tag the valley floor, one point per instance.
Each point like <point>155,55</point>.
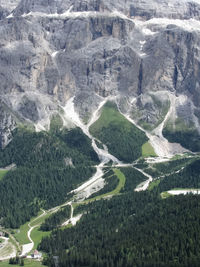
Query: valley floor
<point>26,235</point>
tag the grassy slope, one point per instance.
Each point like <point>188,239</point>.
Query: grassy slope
<point>22,235</point>
<point>2,174</point>
<point>122,138</point>
<point>148,151</point>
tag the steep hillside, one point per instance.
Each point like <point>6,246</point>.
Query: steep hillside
<point>48,167</point>
<point>99,130</point>
<point>143,53</point>
<point>123,139</point>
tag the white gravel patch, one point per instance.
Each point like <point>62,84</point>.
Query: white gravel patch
<point>184,192</point>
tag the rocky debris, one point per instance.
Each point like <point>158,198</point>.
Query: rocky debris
<point>68,162</point>
<point>52,50</point>
<point>7,125</point>
<point>9,5</point>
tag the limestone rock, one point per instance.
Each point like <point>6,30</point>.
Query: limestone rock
<point>137,52</point>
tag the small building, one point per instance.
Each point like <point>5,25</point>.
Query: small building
<point>36,254</point>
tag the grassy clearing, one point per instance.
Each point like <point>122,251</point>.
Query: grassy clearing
<point>109,114</point>
<point>27,262</point>
<point>2,174</point>
<point>153,184</point>
<point>148,151</point>
<point>21,236</point>
<point>122,180</point>
<point>37,235</point>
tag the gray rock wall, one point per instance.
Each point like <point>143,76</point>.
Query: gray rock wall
<point>92,49</point>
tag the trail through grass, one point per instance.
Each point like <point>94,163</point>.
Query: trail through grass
<point>21,234</point>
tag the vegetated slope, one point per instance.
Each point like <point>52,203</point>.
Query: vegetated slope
<point>3,173</point>
<point>122,138</point>
<point>187,136</point>
<point>133,178</point>
<point>49,166</point>
<point>174,165</point>
<point>189,177</point>
<point>56,219</point>
<point>132,229</point>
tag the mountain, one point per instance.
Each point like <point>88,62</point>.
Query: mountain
<point>100,132</point>
<point>144,54</point>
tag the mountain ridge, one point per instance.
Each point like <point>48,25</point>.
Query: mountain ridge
<point>53,50</point>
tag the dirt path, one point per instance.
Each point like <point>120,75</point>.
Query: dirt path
<point>26,248</point>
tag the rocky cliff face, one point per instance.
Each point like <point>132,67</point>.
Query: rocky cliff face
<point>7,125</point>
<point>143,53</point>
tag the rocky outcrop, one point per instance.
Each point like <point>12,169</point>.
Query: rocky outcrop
<point>3,13</point>
<point>185,9</point>
<point>7,125</point>
<point>9,5</point>
<point>135,51</point>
